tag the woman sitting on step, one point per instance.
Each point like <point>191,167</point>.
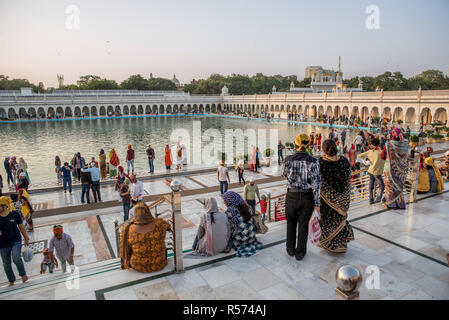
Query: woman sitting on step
<point>214,231</point>
<point>142,241</point>
<point>243,231</point>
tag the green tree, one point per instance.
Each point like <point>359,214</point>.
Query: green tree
<point>136,82</point>
<point>160,84</point>
<point>239,84</point>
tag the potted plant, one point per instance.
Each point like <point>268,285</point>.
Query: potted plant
<point>268,153</point>
<point>414,140</point>
<point>429,134</point>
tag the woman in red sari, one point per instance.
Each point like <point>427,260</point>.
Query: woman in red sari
<point>168,160</point>
<point>352,156</point>
<point>113,163</point>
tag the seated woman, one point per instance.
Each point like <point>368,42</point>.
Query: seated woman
<point>214,231</point>
<point>142,241</point>
<point>243,231</point>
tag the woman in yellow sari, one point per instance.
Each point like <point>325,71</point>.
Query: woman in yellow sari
<point>435,179</point>
<point>103,169</point>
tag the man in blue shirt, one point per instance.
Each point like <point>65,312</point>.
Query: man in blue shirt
<point>11,232</point>
<point>66,171</point>
<point>95,177</point>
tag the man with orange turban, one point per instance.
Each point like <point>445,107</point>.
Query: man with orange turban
<point>65,249</point>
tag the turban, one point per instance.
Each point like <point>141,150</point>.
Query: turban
<point>300,138</point>
<point>5,201</point>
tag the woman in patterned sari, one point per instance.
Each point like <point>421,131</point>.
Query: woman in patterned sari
<point>243,232</point>
<point>335,197</point>
<point>395,153</point>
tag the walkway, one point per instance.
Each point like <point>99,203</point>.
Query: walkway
<point>407,246</point>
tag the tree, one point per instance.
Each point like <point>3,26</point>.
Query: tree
<point>429,80</point>
<point>192,87</point>
<point>239,84</point>
<point>136,82</point>
<point>160,84</point>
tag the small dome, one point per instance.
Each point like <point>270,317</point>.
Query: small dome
<point>175,81</point>
<point>224,90</point>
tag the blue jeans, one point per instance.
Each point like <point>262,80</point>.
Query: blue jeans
<point>85,187</point>
<point>223,186</point>
<point>130,163</point>
<point>96,190</point>
<point>126,206</point>
<point>15,249</point>
<point>372,181</point>
<point>280,157</point>
<point>150,163</point>
<point>9,178</point>
<point>46,266</point>
<point>66,181</point>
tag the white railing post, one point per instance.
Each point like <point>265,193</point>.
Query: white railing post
<point>177,230</point>
<point>414,175</point>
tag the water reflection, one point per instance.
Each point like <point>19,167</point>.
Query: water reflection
<point>39,142</point>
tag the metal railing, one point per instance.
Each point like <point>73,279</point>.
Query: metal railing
<point>359,189</point>
<point>175,221</point>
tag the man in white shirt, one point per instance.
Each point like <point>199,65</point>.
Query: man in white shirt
<point>138,190</point>
<point>223,177</point>
<point>358,143</point>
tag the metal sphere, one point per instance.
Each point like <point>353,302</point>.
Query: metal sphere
<point>175,185</point>
<point>348,278</point>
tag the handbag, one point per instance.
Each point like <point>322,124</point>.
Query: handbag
<point>314,228</point>
<point>259,224</point>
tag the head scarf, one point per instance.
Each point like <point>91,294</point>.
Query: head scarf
<point>429,162</point>
<point>129,146</point>
<point>300,138</point>
<point>232,199</point>
<point>397,134</point>
<point>5,201</point>
<point>142,216</point>
<point>211,205</point>
<point>113,158</point>
<point>23,164</point>
<point>57,230</point>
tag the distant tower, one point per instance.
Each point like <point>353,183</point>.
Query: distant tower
<point>151,75</point>
<point>273,89</point>
<point>60,80</point>
<point>339,73</point>
<point>292,85</point>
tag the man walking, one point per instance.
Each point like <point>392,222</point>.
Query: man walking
<point>303,195</point>
<point>150,154</point>
<point>8,170</point>
<point>95,178</point>
<point>249,193</point>
<point>85,185</point>
<point>130,157</point>
<point>281,148</point>
<point>138,190</point>
<point>66,171</point>
<point>62,243</point>
<point>375,170</point>
<point>223,177</point>
<point>343,138</point>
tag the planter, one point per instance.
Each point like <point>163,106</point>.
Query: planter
<point>429,140</point>
<point>267,162</point>
<point>446,138</point>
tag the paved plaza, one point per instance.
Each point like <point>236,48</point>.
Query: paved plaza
<point>407,246</point>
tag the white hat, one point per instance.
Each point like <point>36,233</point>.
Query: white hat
<point>7,157</point>
<point>446,153</point>
<point>22,174</point>
<point>252,179</point>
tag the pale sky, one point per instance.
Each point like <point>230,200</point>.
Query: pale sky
<point>198,37</point>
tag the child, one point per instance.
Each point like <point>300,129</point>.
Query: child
<point>26,209</point>
<point>263,206</point>
<point>47,262</point>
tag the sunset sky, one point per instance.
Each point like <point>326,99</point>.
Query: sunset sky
<point>196,38</point>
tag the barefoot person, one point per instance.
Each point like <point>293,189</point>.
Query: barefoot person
<point>11,228</point>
